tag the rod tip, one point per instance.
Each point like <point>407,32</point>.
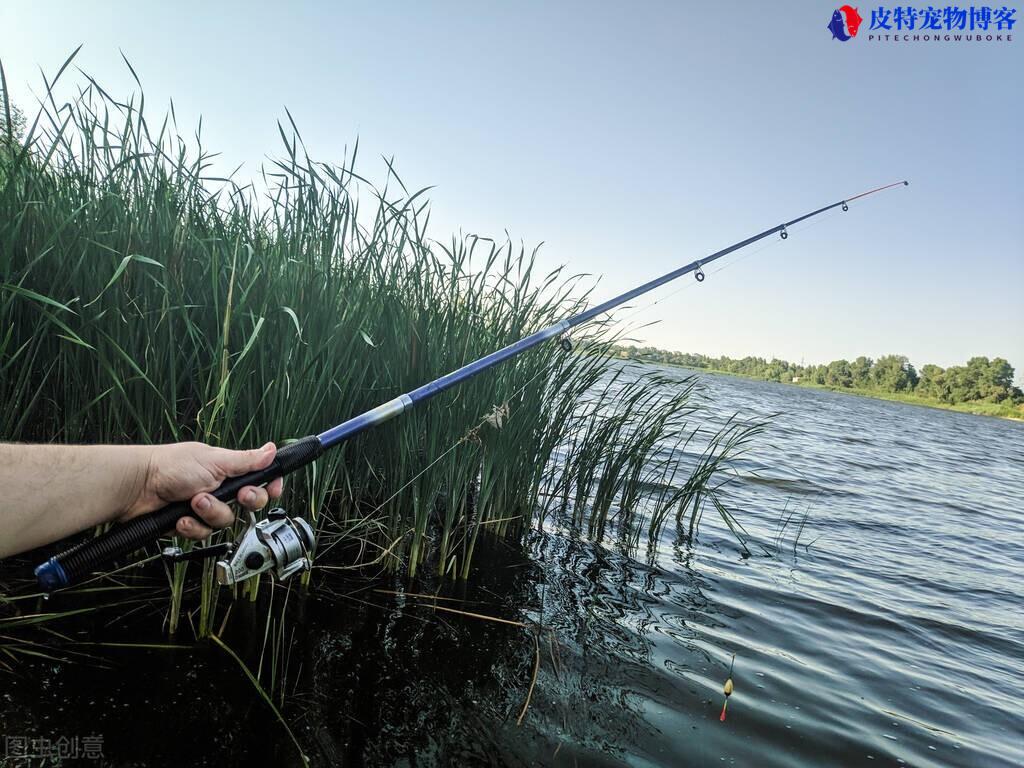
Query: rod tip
<point>906,183</point>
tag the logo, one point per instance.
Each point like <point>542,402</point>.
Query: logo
<point>845,23</point>
<point>911,24</point>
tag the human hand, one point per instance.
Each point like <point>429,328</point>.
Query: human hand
<point>188,471</point>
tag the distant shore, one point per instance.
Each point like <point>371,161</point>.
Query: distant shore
<point>997,410</point>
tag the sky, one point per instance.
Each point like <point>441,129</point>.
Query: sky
<point>630,138</point>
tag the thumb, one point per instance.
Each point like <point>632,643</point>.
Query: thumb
<point>234,463</point>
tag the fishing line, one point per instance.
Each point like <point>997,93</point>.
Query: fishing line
<point>341,537</point>
<point>828,216</point>
<point>767,246</point>
<point>288,540</point>
<point>465,438</point>
<point>802,227</point>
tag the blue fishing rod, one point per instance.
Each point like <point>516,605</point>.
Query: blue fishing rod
<point>285,543</point>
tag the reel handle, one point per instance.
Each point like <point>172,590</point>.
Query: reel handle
<point>69,566</point>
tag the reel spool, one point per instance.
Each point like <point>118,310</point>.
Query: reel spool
<point>277,542</point>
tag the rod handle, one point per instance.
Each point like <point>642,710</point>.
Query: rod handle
<point>69,566</point>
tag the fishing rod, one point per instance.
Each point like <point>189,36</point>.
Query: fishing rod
<point>284,544</point>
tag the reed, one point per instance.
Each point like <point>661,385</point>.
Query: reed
<point>144,298</point>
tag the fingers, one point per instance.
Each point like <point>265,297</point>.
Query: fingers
<point>217,514</point>
<point>191,528</point>
<point>234,463</point>
<point>253,498</point>
<point>212,514</point>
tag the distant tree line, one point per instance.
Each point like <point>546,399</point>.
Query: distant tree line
<point>980,380</point>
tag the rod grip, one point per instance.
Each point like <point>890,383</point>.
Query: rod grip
<point>69,566</point>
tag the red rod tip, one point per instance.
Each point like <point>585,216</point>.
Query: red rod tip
<point>877,189</point>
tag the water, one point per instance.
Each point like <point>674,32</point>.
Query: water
<point>893,630</point>
<point>884,630</point>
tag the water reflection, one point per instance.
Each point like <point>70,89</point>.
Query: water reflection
<point>391,681</point>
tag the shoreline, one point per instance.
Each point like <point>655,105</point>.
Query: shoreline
<point>974,409</point>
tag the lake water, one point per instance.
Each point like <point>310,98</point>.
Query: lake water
<point>892,633</point>
<point>882,627</point>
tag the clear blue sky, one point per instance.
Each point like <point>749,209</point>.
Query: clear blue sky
<point>631,138</point>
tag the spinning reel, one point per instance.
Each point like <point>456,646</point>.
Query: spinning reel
<point>277,542</point>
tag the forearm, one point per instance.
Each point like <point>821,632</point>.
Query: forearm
<point>53,491</point>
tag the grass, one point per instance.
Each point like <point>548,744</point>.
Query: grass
<point>144,298</point>
<point>978,408</point>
